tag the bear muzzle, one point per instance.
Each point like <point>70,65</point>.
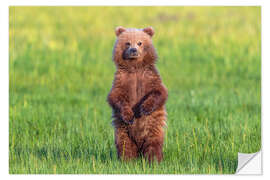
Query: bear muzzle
<point>131,53</point>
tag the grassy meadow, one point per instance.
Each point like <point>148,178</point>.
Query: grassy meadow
<point>61,71</point>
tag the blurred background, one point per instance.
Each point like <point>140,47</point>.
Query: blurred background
<point>61,71</point>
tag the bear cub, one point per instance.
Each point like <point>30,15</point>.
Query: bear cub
<point>137,96</point>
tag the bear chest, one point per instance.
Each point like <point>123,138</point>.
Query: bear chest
<point>136,84</point>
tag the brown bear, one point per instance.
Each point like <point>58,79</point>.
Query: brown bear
<point>137,96</point>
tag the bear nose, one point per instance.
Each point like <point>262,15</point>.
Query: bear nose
<point>133,50</point>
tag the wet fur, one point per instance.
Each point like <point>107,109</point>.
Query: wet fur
<point>138,99</point>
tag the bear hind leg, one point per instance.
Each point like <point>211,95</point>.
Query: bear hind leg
<point>126,148</point>
<point>152,150</point>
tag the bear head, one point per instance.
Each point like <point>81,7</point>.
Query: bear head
<point>134,48</point>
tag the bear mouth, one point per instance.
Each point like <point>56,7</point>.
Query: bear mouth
<point>130,56</point>
<point>135,56</point>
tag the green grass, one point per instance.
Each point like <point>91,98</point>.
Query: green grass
<point>61,71</point>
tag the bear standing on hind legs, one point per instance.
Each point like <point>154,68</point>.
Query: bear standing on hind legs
<point>137,96</point>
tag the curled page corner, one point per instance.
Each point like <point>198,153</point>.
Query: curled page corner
<point>249,163</point>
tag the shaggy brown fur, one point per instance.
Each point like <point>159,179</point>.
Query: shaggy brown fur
<point>137,96</point>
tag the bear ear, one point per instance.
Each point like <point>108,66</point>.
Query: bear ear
<point>149,30</point>
<point>119,30</point>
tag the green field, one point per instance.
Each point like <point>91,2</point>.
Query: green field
<point>61,71</point>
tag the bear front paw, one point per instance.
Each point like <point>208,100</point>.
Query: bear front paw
<point>127,115</point>
<point>147,107</point>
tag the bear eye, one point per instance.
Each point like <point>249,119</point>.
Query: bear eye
<point>127,43</point>
<point>139,43</point>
